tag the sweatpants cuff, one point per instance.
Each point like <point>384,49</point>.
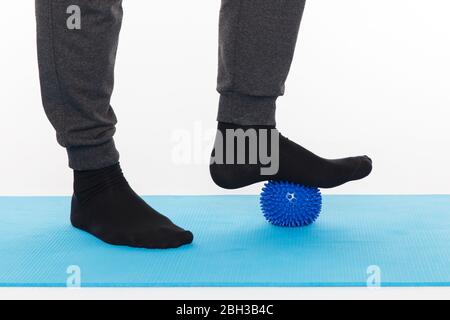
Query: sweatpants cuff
<point>247,110</point>
<point>93,157</point>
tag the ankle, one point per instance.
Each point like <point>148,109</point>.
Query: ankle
<point>90,181</point>
<point>222,126</point>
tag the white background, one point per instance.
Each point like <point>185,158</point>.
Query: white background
<point>369,77</point>
<point>371,293</point>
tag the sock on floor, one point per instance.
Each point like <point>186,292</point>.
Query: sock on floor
<point>295,163</point>
<point>104,205</point>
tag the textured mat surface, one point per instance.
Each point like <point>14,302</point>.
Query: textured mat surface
<point>407,238</point>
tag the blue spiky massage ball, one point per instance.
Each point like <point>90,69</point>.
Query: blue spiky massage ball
<point>288,204</point>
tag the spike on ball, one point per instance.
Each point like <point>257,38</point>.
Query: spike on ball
<point>287,204</point>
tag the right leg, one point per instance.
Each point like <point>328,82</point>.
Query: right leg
<point>256,47</point>
<point>77,44</point>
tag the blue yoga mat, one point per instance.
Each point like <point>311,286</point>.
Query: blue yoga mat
<point>406,240</point>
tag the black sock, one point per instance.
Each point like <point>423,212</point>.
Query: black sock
<point>104,205</point>
<point>296,164</point>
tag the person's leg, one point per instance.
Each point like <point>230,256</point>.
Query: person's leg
<point>256,47</point>
<point>77,43</point>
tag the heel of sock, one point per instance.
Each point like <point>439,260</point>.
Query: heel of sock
<point>235,176</point>
<point>220,178</point>
<point>75,214</point>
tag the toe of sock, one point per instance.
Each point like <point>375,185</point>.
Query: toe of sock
<point>169,237</point>
<point>178,239</point>
<point>186,237</point>
<point>364,168</point>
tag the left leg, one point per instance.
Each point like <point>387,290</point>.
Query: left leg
<point>76,63</point>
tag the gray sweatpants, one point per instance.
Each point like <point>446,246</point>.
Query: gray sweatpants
<point>77,44</point>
